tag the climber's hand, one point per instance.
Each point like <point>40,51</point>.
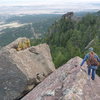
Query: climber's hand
<point>80,67</point>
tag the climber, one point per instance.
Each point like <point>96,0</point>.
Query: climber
<point>92,62</point>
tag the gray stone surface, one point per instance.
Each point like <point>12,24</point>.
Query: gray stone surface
<point>21,71</point>
<point>12,80</point>
<point>68,82</point>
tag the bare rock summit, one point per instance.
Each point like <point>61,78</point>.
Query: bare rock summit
<point>68,82</point>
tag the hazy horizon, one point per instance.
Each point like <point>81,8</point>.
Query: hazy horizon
<point>47,6</point>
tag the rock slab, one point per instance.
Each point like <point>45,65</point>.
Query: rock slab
<point>69,82</point>
<point>20,71</point>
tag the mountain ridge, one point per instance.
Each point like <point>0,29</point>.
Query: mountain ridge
<point>68,82</point>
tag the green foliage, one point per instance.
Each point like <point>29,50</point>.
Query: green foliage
<point>58,54</point>
<point>68,38</point>
<point>39,26</point>
<point>35,42</point>
<point>59,59</point>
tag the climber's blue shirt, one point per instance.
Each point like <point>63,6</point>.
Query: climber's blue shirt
<point>87,57</point>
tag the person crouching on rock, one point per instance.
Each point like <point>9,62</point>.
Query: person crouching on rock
<point>92,62</point>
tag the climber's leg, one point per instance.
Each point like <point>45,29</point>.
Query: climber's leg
<point>93,72</point>
<point>89,72</point>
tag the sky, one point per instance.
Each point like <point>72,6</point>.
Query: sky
<point>48,2</point>
<point>68,5</point>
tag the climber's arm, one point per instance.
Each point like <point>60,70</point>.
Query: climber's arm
<point>98,58</point>
<point>85,58</point>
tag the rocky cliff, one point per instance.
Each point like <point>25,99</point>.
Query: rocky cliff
<point>69,82</point>
<point>20,71</point>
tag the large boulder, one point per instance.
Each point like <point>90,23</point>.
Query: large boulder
<point>69,82</point>
<point>20,71</point>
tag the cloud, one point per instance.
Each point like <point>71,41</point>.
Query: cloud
<point>36,2</point>
<point>42,6</point>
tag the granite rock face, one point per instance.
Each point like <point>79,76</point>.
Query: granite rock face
<point>20,71</point>
<point>69,82</point>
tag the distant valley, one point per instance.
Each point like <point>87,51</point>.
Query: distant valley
<point>26,25</point>
<point>31,26</point>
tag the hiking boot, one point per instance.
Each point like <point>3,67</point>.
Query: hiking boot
<point>92,78</point>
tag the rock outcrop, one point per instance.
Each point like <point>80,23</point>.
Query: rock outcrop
<point>69,82</point>
<point>71,16</point>
<point>68,15</point>
<point>21,70</point>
